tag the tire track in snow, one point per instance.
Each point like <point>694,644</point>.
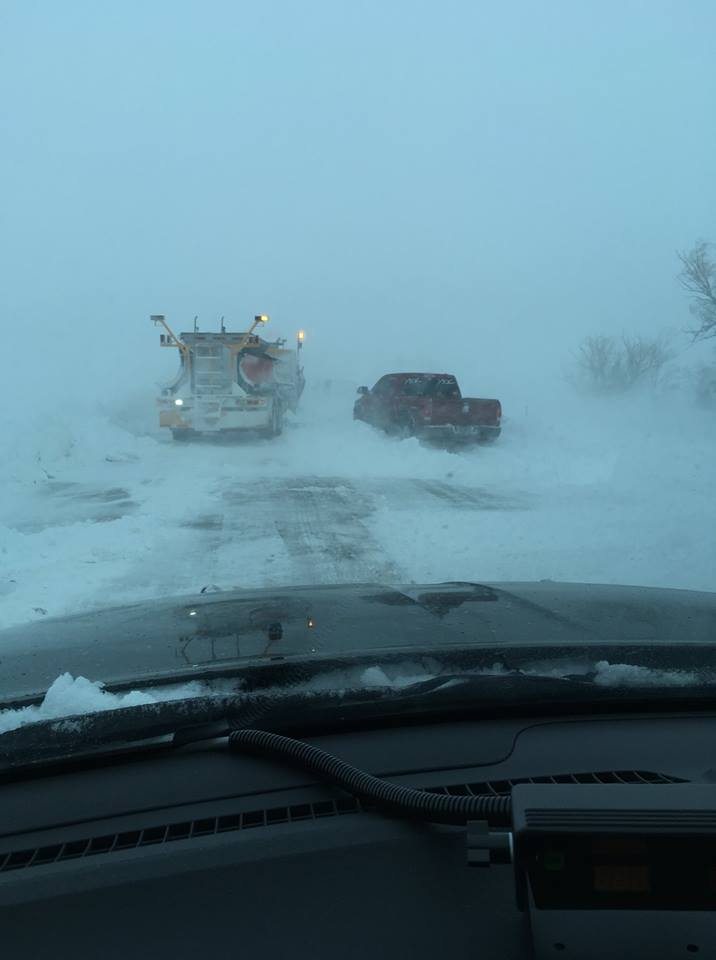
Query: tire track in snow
<point>294,530</point>
<point>320,521</point>
<point>467,498</point>
<point>58,504</point>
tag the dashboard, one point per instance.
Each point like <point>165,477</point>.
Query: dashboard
<point>203,851</point>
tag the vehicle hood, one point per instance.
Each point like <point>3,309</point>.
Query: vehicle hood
<point>219,633</point>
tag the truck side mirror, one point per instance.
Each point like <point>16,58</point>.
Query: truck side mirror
<point>362,391</point>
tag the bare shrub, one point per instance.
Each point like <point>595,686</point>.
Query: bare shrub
<point>612,365</point>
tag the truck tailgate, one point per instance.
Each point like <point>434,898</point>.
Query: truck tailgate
<point>467,411</point>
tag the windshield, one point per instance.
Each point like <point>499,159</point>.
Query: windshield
<point>218,226</point>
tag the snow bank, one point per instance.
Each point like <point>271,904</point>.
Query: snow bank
<point>611,491</point>
<point>49,443</point>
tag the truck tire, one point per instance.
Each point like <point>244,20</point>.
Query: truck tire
<point>406,428</point>
<point>275,427</point>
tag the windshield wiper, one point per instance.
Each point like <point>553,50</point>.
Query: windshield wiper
<point>179,722</point>
<point>172,724</point>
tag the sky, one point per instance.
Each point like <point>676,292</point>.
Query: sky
<point>461,185</point>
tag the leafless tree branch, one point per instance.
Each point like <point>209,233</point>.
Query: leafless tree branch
<point>698,278</point>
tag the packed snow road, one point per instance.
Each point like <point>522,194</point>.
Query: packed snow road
<point>99,514</point>
<point>231,532</point>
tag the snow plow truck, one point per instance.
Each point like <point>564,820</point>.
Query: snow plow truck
<point>229,382</point>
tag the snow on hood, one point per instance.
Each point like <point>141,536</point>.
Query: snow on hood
<point>72,696</point>
<point>606,674</point>
<point>631,675</point>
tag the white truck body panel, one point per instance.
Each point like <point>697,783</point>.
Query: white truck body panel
<point>227,383</point>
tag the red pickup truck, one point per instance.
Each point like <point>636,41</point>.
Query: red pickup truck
<point>429,406</point>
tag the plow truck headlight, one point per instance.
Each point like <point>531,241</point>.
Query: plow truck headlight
<point>179,402</point>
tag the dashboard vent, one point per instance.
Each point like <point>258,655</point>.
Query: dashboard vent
<point>188,829</point>
<point>502,787</point>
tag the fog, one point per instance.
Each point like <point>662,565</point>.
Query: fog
<point>461,186</point>
<point>511,175</point>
